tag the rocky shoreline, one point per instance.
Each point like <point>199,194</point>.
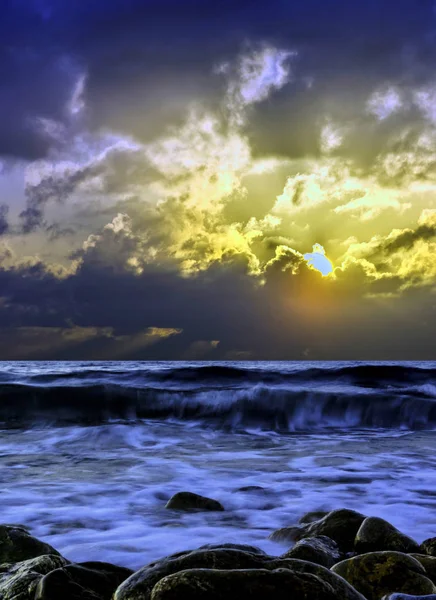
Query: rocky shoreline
<point>336,555</point>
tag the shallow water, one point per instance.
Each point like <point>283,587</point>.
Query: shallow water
<point>98,492</point>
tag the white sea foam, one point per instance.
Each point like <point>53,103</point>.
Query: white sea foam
<point>98,493</point>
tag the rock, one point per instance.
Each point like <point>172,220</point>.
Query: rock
<point>408,597</point>
<point>96,581</point>
<point>429,564</point>
<point>376,534</point>
<point>428,547</point>
<point>344,591</point>
<point>17,526</point>
<point>256,584</point>
<point>378,573</point>
<point>250,488</point>
<point>338,525</point>
<point>243,547</point>
<point>287,534</point>
<point>18,581</point>
<point>320,550</point>
<point>139,586</point>
<point>190,501</point>
<point>17,545</point>
<point>108,568</point>
<point>224,546</point>
<point>310,517</point>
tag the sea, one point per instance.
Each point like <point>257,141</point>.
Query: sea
<point>90,452</point>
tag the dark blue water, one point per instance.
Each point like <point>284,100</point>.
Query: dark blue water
<point>90,452</point>
<point>279,396</point>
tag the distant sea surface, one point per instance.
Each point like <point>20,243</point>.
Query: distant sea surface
<point>90,452</point>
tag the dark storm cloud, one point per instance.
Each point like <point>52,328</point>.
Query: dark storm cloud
<point>407,238</point>
<point>56,231</point>
<point>104,310</point>
<point>4,225</point>
<point>146,60</point>
<point>37,77</point>
<point>55,188</point>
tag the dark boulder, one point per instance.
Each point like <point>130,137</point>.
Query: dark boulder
<point>140,585</point>
<point>339,525</point>
<point>320,550</point>
<point>95,581</point>
<point>379,573</point>
<point>256,584</point>
<point>16,544</point>
<point>190,501</point>
<point>18,581</point>
<point>376,535</point>
<point>428,547</point>
<point>429,564</point>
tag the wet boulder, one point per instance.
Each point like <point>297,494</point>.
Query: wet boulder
<point>429,564</point>
<point>428,547</point>
<point>16,544</point>
<point>376,534</point>
<point>141,584</point>
<point>379,573</point>
<point>343,589</point>
<point>191,501</point>
<point>18,581</point>
<point>95,581</point>
<point>320,550</point>
<point>224,546</point>
<point>256,584</point>
<point>339,525</point>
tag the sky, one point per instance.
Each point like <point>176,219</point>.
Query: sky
<point>227,180</point>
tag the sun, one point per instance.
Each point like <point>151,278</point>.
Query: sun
<point>318,260</point>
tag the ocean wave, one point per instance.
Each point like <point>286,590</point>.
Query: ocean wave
<point>370,375</point>
<point>262,407</point>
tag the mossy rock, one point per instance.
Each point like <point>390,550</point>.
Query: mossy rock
<point>376,535</point>
<point>344,590</point>
<point>379,573</point>
<point>140,585</point>
<point>320,550</point>
<point>429,564</point>
<point>256,584</point>
<point>339,525</point>
<point>190,501</point>
<point>428,547</point>
<point>16,544</point>
<point>18,581</point>
<point>95,581</point>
